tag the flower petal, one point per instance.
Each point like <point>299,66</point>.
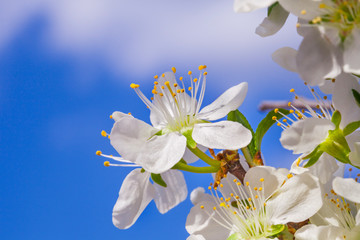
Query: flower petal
<point>297,7</point>
<point>316,59</point>
<point>251,5</point>
<point>119,115</point>
<point>274,22</point>
<point>135,194</point>
<point>273,179</point>
<point>199,195</point>
<point>195,237</point>
<point>297,200</point>
<point>229,101</point>
<point>201,222</point>
<point>286,58</point>
<point>222,135</point>
<point>135,141</point>
<point>324,168</point>
<point>304,135</point>
<point>176,191</point>
<point>190,157</point>
<point>348,188</point>
<point>351,53</point>
<point>312,232</point>
<point>343,98</point>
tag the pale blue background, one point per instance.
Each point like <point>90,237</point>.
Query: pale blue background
<point>65,66</point>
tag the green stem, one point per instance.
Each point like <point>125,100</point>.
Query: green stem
<point>203,156</point>
<point>248,157</point>
<point>188,168</point>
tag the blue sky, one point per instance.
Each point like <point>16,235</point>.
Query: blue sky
<point>65,66</point>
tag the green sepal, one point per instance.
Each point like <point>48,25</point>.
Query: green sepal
<point>142,170</point>
<point>265,125</point>
<point>356,95</point>
<point>234,236</point>
<point>351,127</point>
<point>275,230</point>
<point>158,179</point>
<point>189,140</point>
<point>271,8</point>
<point>285,235</point>
<point>237,116</point>
<point>313,157</point>
<point>336,118</point>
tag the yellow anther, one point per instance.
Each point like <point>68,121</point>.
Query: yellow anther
<point>292,90</point>
<point>289,104</point>
<point>103,133</point>
<point>195,80</point>
<point>111,117</point>
<point>274,118</point>
<point>255,188</point>
<point>181,78</point>
<point>303,110</point>
<point>247,207</point>
<point>204,66</point>
<point>254,208</point>
<point>284,120</point>
<point>322,5</point>
<point>325,97</point>
<point>235,213</point>
<point>222,204</point>
<point>173,69</point>
<point>133,85</point>
<point>161,94</point>
<point>201,67</point>
<point>174,94</point>
<point>221,199</point>
<point>249,199</point>
<point>289,175</point>
<point>296,97</point>
<point>205,73</point>
<point>279,124</point>
<point>175,85</point>
<point>162,87</point>
<point>221,185</point>
<point>297,25</point>
<point>98,153</point>
<point>264,204</point>
<point>163,75</point>
<point>238,183</point>
<point>276,110</point>
<point>247,183</point>
<point>154,91</point>
<point>167,83</point>
<point>182,90</point>
<point>215,188</point>
<point>214,208</point>
<point>231,194</point>
<point>350,169</point>
<point>237,197</point>
<point>260,188</point>
<point>156,83</point>
<point>189,72</point>
<point>209,187</point>
<point>234,180</point>
<point>261,179</point>
<point>151,98</point>
<point>107,164</point>
<point>156,76</point>
<point>225,175</point>
<point>189,88</point>
<point>178,91</point>
<point>291,111</point>
<point>303,12</point>
<point>202,207</point>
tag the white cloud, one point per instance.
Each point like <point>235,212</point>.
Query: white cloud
<point>143,36</point>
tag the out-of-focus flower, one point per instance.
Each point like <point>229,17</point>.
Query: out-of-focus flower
<point>257,209</point>
<point>178,122</point>
<point>338,218</point>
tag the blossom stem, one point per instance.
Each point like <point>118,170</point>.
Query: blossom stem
<point>188,168</point>
<point>203,156</point>
<point>248,157</point>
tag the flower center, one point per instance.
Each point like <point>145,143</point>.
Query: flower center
<point>172,105</point>
<point>342,14</point>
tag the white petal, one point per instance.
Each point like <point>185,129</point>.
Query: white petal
<point>200,222</point>
<point>251,5</point>
<point>324,168</point>
<point>135,194</point>
<point>195,237</point>
<point>229,101</point>
<point>160,153</point>
<point>352,53</point>
<point>222,135</point>
<point>348,188</point>
<point>312,232</point>
<point>297,200</point>
<point>343,98</point>
<point>316,59</point>
<point>176,191</point>
<point>273,23</point>
<point>304,135</point>
<point>354,155</point>
<point>273,178</point>
<point>128,135</point>
<point>286,58</point>
<point>199,195</point>
<point>119,115</point>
